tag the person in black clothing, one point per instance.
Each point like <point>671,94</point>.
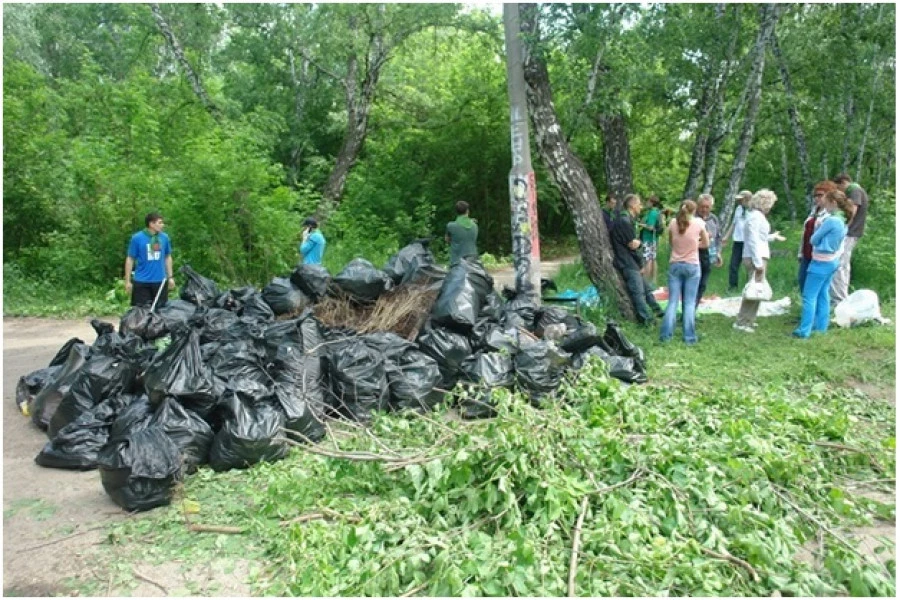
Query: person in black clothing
<point>610,212</point>
<point>628,259</point>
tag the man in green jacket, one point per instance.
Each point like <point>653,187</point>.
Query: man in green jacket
<point>462,234</point>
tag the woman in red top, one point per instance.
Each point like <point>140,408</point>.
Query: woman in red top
<point>809,226</point>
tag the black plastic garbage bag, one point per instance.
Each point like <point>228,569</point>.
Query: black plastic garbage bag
<point>623,368</point>
<point>356,372</point>
<point>139,321</point>
<point>179,371</point>
<point>101,377</point>
<point>523,306</point>
<point>390,345</point>
<point>583,337</point>
<point>486,372</point>
<point>78,444</point>
<point>62,355</point>
<point>30,385</point>
<point>362,281</point>
<point>139,470</point>
<point>216,325</point>
<point>312,280</point>
<point>175,312</point>
<point>257,309</point>
<point>101,327</point>
<point>448,348</point>
<point>553,315</point>
<point>238,360</point>
<point>234,299</point>
<point>284,298</point>
<point>621,345</point>
<point>134,415</point>
<point>125,347</point>
<point>48,399</point>
<point>539,369</point>
<point>198,290</point>
<point>464,291</point>
<point>413,377</point>
<point>414,264</point>
<point>492,307</point>
<point>249,434</point>
<point>497,338</point>
<point>188,431</point>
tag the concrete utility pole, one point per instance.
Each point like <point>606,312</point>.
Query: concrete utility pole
<point>526,244</point>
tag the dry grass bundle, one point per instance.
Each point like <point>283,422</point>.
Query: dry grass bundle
<point>402,311</point>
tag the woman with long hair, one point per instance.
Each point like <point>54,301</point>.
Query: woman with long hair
<point>687,234</point>
<point>827,242</point>
<point>804,254</point>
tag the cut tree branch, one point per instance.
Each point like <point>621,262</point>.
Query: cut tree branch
<point>576,544</point>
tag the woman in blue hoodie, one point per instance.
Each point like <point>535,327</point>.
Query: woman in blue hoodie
<point>827,241</point>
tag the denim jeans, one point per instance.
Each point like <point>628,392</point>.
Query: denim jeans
<point>641,293</point>
<point>737,254</point>
<point>816,307</point>
<point>705,268</point>
<point>684,280</point>
<point>801,272</point>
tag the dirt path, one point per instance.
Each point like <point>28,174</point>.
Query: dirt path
<point>506,276</point>
<point>54,519</point>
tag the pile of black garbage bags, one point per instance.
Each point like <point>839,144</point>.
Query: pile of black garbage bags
<point>244,369</point>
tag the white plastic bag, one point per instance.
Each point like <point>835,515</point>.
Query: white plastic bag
<point>857,308</point>
<point>757,290</point>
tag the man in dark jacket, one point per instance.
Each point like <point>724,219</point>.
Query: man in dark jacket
<point>628,260</point>
<point>462,234</point>
<point>855,228</point>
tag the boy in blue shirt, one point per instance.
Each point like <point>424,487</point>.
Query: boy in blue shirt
<point>151,251</point>
<point>313,246</point>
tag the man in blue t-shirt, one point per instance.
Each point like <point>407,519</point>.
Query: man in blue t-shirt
<point>312,249</point>
<point>151,251</point>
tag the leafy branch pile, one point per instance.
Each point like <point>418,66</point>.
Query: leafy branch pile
<point>614,491</point>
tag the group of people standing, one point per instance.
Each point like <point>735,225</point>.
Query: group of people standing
<point>696,238</point>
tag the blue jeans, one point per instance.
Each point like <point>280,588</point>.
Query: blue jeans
<point>641,293</point>
<point>801,273</point>
<point>684,279</point>
<point>816,305</point>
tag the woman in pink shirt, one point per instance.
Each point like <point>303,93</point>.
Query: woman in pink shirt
<point>687,234</point>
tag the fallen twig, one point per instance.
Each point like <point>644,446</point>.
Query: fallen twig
<point>322,514</point>
<point>415,590</point>
<point>576,544</point>
<point>140,575</point>
<point>638,473</point>
<point>392,462</point>
<point>824,527</point>
<point>62,539</point>
<point>214,528</point>
<point>734,560</point>
<point>875,465</point>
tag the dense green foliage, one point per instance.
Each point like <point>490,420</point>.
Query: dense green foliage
<point>101,124</point>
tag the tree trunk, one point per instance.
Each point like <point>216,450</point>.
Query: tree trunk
<point>796,129</point>
<point>786,179</point>
<point>568,173</point>
<point>189,72</point>
<point>616,154</point>
<point>849,112</point>
<point>878,69</point>
<point>769,15</point>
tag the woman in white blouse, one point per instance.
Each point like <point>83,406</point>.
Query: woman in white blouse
<point>756,252</point>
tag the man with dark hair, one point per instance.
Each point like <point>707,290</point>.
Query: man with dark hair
<point>628,260</point>
<point>151,251</point>
<point>712,255</point>
<point>462,234</point>
<point>312,248</point>
<point>855,229</point>
<point>610,212</point>
<point>736,233</point>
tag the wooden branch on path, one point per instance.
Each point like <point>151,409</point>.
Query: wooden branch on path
<point>576,545</point>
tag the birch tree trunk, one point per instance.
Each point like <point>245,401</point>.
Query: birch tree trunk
<point>849,112</point>
<point>865,135</point>
<point>616,154</point>
<point>796,128</point>
<point>786,179</point>
<point>769,16</point>
<point>568,173</point>
<point>189,72</point>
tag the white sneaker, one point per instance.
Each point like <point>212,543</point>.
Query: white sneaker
<point>754,325</point>
<point>743,328</point>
